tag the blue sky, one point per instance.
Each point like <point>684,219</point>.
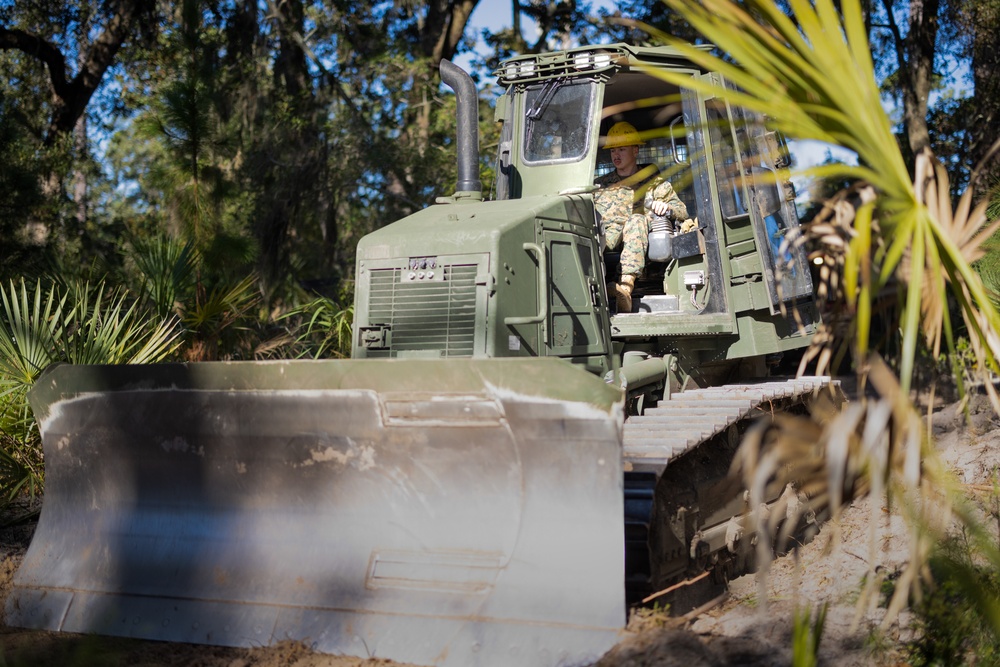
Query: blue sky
<point>498,14</point>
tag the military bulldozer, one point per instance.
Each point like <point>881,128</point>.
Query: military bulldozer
<point>506,463</point>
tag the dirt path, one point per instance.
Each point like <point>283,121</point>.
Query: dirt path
<point>753,627</point>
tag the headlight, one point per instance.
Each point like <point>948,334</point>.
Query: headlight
<point>520,69</point>
<point>590,59</point>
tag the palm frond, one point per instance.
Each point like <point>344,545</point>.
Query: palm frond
<point>893,250</point>
<point>29,325</point>
<point>166,268</point>
<point>795,70</point>
<point>108,328</point>
<point>74,323</point>
<point>325,329</point>
<point>221,306</point>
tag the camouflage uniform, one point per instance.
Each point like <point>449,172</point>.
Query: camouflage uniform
<point>626,217</point>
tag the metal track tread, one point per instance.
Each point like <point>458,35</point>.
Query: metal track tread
<point>676,426</point>
<point>688,418</point>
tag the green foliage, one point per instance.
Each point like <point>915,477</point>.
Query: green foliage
<point>993,200</point>
<point>20,193</point>
<point>31,330</point>
<point>988,266</point>
<point>166,271</point>
<point>47,324</point>
<point>954,615</point>
<point>21,469</point>
<point>193,185</point>
<point>323,329</point>
<point>807,632</point>
<point>216,320</point>
<point>216,307</point>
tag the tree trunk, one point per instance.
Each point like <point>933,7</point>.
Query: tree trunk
<point>444,27</point>
<point>919,50</point>
<point>79,175</point>
<point>984,21</point>
<point>290,64</point>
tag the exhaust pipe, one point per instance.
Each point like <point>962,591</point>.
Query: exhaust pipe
<point>468,128</point>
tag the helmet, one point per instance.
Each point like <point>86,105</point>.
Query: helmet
<point>622,134</point>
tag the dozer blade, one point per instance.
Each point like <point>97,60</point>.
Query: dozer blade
<point>453,512</point>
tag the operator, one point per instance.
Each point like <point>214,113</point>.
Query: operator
<point>631,194</point>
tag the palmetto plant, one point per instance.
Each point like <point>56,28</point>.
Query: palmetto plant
<point>166,270</point>
<point>216,318</point>
<point>324,330</point>
<point>46,324</point>
<point>892,238</point>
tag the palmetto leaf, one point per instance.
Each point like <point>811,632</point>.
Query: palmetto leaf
<point>220,307</point>
<point>75,324</point>
<point>813,78</point>
<point>889,239</point>
<point>107,329</point>
<point>327,332</point>
<point>167,269</point>
<point>29,325</point>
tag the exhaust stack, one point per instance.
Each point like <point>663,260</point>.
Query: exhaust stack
<point>468,128</point>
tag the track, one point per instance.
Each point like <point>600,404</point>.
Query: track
<point>675,457</point>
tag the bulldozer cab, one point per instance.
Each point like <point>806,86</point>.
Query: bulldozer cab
<point>723,163</point>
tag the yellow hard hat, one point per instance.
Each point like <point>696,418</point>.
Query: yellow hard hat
<point>622,134</point>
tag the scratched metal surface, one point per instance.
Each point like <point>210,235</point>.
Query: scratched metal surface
<point>472,516</point>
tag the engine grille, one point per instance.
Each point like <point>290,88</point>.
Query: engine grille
<point>427,316</point>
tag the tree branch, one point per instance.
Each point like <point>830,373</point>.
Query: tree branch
<point>41,50</point>
<point>72,97</point>
<point>897,37</point>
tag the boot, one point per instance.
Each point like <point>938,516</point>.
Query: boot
<point>623,293</point>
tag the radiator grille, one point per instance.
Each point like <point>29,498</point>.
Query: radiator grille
<point>427,315</point>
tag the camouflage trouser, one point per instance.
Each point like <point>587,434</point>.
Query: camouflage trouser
<point>633,236</point>
<point>623,228</point>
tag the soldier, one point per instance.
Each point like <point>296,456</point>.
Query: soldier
<point>631,192</point>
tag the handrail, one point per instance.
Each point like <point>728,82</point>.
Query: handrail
<point>543,293</point>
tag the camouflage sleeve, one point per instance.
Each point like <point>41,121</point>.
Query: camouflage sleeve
<point>614,204</point>
<point>661,190</point>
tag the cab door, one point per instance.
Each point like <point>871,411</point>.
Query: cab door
<point>577,323</point>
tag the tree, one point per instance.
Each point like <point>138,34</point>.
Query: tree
<point>558,24</point>
<point>980,22</point>
<point>72,92</point>
<point>914,42</point>
<point>324,120</point>
<point>19,193</point>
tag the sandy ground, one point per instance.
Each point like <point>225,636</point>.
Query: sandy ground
<point>752,627</point>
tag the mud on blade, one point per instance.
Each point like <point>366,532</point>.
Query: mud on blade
<point>436,512</point>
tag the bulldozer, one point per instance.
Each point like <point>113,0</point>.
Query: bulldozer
<point>506,463</point>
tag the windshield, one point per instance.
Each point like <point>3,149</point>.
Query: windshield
<point>558,120</point>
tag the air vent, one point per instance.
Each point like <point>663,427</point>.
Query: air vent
<point>426,316</point>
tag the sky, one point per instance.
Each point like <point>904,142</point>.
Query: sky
<point>498,14</point>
